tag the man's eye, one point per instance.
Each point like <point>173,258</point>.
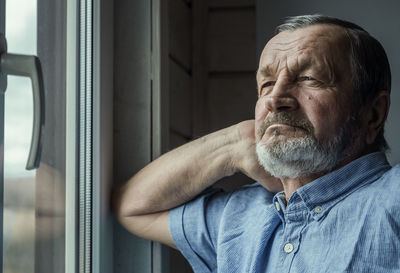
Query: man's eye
<point>268,84</point>
<point>307,78</point>
<point>265,87</point>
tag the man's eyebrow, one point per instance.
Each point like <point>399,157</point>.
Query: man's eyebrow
<point>265,71</point>
<point>304,65</point>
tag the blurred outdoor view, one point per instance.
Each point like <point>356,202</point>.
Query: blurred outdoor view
<point>19,184</point>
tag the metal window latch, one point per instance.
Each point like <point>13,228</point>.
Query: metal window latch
<point>27,66</point>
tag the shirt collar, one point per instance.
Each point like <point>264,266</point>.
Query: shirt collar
<point>324,192</point>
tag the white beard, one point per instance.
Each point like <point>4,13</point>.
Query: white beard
<point>299,157</point>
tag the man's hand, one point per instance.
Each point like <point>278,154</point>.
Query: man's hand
<point>248,161</point>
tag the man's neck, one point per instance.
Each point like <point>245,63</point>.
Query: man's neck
<point>290,185</point>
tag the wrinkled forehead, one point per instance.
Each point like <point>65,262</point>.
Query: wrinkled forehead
<point>318,45</point>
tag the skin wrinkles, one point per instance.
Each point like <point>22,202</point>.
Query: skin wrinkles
<point>305,55</point>
<point>321,103</point>
<point>301,65</point>
<point>306,58</point>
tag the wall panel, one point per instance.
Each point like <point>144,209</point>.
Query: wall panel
<point>231,99</point>
<point>231,40</point>
<point>181,100</point>
<point>180,37</point>
<point>230,3</point>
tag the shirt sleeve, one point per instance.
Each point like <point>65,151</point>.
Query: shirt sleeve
<point>194,228</point>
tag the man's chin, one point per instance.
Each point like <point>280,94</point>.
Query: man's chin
<point>294,159</point>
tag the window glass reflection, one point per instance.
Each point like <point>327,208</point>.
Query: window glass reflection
<point>19,184</point>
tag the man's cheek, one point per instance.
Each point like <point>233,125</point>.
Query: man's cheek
<point>260,115</point>
<point>261,111</point>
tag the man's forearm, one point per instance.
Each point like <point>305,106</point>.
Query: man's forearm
<point>179,175</point>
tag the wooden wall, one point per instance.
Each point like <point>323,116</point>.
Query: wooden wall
<point>180,71</point>
<point>212,64</point>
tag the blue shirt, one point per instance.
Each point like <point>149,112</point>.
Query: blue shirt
<point>345,221</point>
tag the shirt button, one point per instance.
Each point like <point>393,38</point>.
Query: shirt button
<point>288,248</point>
<point>277,206</point>
<point>318,209</point>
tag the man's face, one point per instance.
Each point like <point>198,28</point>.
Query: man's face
<point>305,88</point>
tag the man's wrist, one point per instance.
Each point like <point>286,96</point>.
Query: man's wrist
<point>244,149</point>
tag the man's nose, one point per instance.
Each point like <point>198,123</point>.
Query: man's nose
<point>281,98</point>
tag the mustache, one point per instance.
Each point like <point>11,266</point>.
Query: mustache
<point>286,118</point>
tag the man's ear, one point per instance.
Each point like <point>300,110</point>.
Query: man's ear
<point>376,115</point>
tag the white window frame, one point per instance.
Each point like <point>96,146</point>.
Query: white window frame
<point>103,245</point>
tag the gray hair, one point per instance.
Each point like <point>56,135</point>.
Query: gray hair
<point>370,65</point>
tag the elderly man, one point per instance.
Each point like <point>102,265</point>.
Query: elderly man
<point>323,98</point>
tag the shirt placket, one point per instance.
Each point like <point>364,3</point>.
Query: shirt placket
<point>295,219</point>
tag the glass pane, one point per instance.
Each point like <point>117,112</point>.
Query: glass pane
<point>34,201</point>
<point>19,184</point>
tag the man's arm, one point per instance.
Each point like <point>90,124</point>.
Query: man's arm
<point>142,204</point>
